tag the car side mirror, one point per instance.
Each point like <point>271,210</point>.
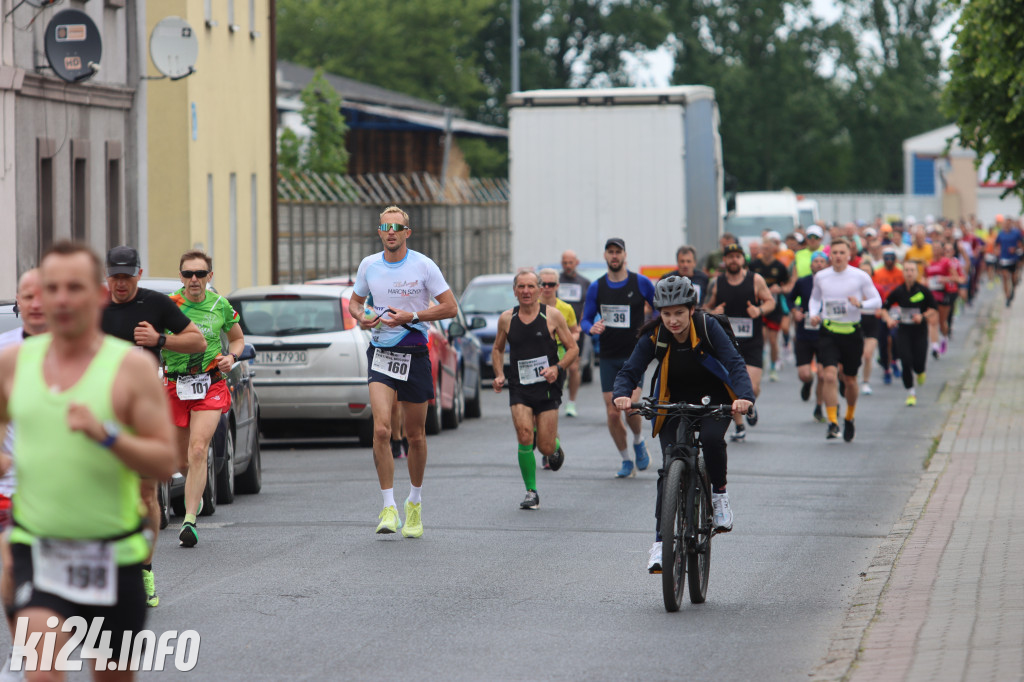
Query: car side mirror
<point>455,330</point>
<point>248,352</point>
<point>477,323</point>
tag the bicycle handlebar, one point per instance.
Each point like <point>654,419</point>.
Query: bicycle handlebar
<point>653,408</point>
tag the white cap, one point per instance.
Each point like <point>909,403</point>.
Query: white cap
<point>773,235</point>
<point>870,232</point>
<point>910,221</point>
<point>815,230</point>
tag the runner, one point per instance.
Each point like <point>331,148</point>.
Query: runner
<point>943,279</point>
<point>1009,242</point>
<point>699,360</point>
<point>686,266</point>
<point>812,243</point>
<point>920,250</point>
<point>28,300</point>
<point>534,332</point>
<point>549,288</point>
<point>196,382</point>
<point>621,297</point>
<point>90,417</point>
<point>870,324</point>
<point>573,289</point>
<point>744,297</point>
<point>840,295</point>
<point>402,283</point>
<point>886,279</point>
<point>144,317</point>
<point>776,276</point>
<point>905,310</point>
<point>806,346</point>
<point>714,264</point>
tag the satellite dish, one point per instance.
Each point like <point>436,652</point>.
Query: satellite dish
<point>173,47</point>
<point>73,45</point>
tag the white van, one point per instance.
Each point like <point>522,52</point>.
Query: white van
<point>759,212</point>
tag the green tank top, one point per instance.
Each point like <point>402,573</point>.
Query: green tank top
<point>70,486</point>
<point>802,263</point>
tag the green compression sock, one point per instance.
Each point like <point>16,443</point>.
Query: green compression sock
<point>558,444</point>
<point>528,465</point>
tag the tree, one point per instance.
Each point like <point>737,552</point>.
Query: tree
<point>985,93</point>
<point>321,113</point>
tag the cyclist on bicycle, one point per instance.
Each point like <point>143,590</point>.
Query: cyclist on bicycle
<point>696,358</point>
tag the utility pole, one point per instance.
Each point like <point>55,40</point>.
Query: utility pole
<point>515,46</point>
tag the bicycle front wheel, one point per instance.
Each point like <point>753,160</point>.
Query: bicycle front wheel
<point>673,535</point>
<point>698,551</point>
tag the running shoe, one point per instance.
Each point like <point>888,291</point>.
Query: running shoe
<point>556,460</point>
<point>532,500</point>
<point>643,460</point>
<point>887,379</point>
<point>544,464</point>
<point>935,351</point>
<point>189,536</point>
<point>389,521</point>
<point>413,527</point>
<point>943,346</point>
<point>396,449</point>
<point>752,416</point>
<point>911,400</point>
<point>896,370</point>
<point>739,435</point>
<point>865,388</point>
<point>818,416</point>
<point>847,430</point>
<point>723,513</point>
<point>833,431</point>
<point>147,580</point>
<point>920,378</point>
<point>773,376</point>
<point>627,470</point>
<point>570,409</point>
<point>654,562</point>
<point>805,391</point>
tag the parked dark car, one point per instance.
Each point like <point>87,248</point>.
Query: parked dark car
<point>486,297</point>
<point>470,353</point>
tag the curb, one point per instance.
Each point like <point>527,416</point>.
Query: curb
<point>844,647</point>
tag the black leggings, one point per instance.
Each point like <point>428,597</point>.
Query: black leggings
<point>712,435</point>
<point>912,350</point>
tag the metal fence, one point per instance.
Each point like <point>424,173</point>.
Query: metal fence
<point>843,208</point>
<point>326,223</point>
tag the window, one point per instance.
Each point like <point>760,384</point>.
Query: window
<point>45,150</point>
<point>254,219</point>
<point>80,190</point>
<point>113,194</point>
<point>209,215</point>
<point>233,226</point>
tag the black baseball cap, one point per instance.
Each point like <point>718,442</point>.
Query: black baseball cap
<point>615,241</point>
<point>733,248</point>
<point>123,260</point>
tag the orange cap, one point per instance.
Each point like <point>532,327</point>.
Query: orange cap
<point>886,227</point>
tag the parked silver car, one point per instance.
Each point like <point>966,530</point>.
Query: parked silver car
<point>310,360</point>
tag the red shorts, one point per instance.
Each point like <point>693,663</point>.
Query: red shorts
<point>217,398</point>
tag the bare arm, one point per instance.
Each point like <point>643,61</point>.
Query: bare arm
<point>446,308</point>
<point>142,407</point>
<point>498,350</point>
<point>563,332</point>
<point>188,340</point>
<point>765,300</point>
<point>236,344</point>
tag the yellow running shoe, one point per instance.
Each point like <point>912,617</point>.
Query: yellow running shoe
<point>920,379</point>
<point>911,400</point>
<point>413,527</point>
<point>389,521</point>
<point>147,580</point>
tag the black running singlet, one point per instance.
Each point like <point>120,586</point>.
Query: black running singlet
<point>622,311</point>
<point>736,299</point>
<point>531,349</point>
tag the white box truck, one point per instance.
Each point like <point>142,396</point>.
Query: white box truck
<point>643,164</point>
<point>759,212</point>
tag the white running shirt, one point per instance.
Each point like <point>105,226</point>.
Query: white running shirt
<point>832,289</point>
<point>409,284</point>
<point>10,338</point>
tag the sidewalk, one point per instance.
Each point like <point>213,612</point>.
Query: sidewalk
<point>952,606</point>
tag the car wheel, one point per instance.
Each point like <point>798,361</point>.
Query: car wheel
<point>473,404</point>
<point>250,481</point>
<point>450,418</point>
<point>163,496</point>
<point>433,426</point>
<point>210,494</point>
<point>226,477</point>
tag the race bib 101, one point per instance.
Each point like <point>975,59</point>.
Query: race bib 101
<point>192,386</point>
<point>392,364</point>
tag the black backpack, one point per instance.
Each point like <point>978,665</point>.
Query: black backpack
<point>700,319</point>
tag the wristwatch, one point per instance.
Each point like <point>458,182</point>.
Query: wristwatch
<point>160,342</point>
<point>112,431</point>
<point>415,318</point>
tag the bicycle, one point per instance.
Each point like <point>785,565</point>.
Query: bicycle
<point>687,518</point>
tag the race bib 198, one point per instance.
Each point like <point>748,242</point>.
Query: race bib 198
<point>532,371</point>
<point>835,310</point>
<point>192,386</point>
<point>81,571</point>
<point>742,327</point>
<point>570,292</point>
<point>615,316</point>
<point>392,364</point>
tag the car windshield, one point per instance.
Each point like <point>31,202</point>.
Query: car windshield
<point>493,298</point>
<point>755,225</point>
<point>290,316</point>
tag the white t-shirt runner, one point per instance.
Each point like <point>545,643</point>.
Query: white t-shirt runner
<point>830,298</point>
<point>409,285</point>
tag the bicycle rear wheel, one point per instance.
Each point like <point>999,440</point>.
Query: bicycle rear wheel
<point>673,531</point>
<point>698,552</point>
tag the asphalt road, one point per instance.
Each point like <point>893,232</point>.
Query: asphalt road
<point>293,583</point>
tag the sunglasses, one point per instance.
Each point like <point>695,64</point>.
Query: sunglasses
<point>394,227</point>
<point>189,274</point>
<point>549,285</point>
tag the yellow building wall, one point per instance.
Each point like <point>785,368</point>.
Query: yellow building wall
<point>229,135</point>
